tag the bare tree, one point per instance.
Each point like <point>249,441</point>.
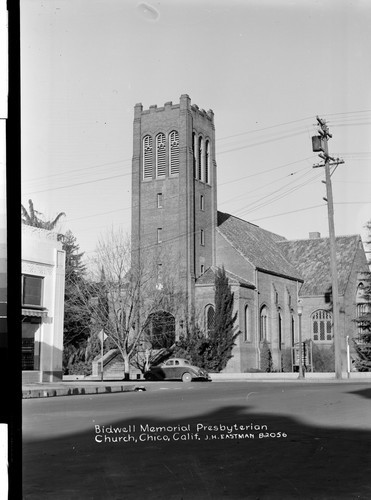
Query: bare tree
<point>124,296</point>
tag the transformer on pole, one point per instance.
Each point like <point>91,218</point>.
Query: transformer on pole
<point>320,143</point>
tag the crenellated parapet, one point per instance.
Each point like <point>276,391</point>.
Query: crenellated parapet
<point>184,105</point>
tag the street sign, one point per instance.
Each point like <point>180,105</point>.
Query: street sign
<point>102,336</point>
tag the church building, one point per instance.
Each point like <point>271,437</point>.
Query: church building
<point>177,228</point>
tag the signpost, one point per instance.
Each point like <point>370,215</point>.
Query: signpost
<point>102,337</point>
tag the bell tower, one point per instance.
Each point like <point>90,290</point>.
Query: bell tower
<point>174,212</point>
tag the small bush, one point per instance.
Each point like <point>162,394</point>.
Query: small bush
<point>323,358</point>
<point>266,362</point>
<point>286,357</point>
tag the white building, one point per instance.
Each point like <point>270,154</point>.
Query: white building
<point>43,280</point>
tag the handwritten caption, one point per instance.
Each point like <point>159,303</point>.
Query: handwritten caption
<point>144,433</point>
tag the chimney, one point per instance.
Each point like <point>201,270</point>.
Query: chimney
<point>314,236</point>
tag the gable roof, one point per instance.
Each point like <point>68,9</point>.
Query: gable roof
<point>312,258</point>
<point>208,278</point>
<point>257,245</point>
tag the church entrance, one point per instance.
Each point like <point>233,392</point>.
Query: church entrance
<point>161,330</point>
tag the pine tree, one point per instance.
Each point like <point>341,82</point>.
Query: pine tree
<point>362,346</point>
<point>223,335</point>
<point>76,320</point>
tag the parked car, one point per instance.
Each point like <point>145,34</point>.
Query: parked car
<point>176,369</point>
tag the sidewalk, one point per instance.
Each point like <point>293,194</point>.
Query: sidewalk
<point>78,387</point>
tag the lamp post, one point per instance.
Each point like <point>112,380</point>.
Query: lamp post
<point>300,312</point>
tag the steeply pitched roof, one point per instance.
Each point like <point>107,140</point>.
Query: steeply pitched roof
<point>312,258</point>
<point>208,278</point>
<point>257,245</point>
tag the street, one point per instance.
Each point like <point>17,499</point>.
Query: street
<point>238,440</point>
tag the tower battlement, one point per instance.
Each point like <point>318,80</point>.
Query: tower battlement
<point>184,104</point>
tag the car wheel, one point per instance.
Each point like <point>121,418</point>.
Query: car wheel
<point>186,377</point>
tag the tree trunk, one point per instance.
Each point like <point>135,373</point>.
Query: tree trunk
<point>127,366</point>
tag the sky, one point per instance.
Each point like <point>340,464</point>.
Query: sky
<point>267,68</point>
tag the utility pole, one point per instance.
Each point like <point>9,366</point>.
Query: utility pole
<point>320,143</point>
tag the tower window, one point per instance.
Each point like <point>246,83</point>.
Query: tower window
<point>202,268</point>
<point>147,157</point>
<point>159,200</point>
<point>202,237</point>
<point>194,148</point>
<point>207,160</point>
<point>160,155</point>
<point>159,235</point>
<point>174,153</point>
<point>202,202</point>
<point>200,158</point>
<point>159,284</point>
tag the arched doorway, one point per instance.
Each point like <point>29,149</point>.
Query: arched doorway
<point>161,330</point>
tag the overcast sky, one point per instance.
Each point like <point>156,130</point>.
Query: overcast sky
<point>266,69</point>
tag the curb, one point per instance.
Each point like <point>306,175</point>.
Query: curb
<point>79,391</point>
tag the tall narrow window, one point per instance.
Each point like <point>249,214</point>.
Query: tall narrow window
<point>202,237</point>
<point>322,326</point>
<point>159,235</point>
<point>210,319</point>
<point>147,157</point>
<point>159,284</point>
<point>160,155</point>
<point>174,153</point>
<point>279,331</point>
<point>200,158</point>
<point>194,150</point>
<point>202,269</point>
<point>202,202</point>
<point>207,162</point>
<point>246,332</point>
<point>159,200</point>
<point>263,323</point>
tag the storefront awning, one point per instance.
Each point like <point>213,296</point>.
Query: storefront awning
<point>35,312</point>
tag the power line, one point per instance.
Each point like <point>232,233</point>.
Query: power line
<point>290,212</point>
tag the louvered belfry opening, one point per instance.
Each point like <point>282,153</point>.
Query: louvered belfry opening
<point>147,157</point>
<point>174,152</point>
<point>160,155</point>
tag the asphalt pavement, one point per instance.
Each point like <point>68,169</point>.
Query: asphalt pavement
<point>201,441</point>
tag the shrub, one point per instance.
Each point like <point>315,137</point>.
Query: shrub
<point>323,358</point>
<point>286,357</point>
<point>266,362</point>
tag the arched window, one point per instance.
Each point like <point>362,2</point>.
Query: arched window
<point>321,326</point>
<point>207,161</point>
<point>200,158</point>
<point>246,331</point>
<point>210,319</point>
<point>160,155</point>
<point>360,296</point>
<point>263,323</point>
<point>147,157</point>
<point>174,152</point>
